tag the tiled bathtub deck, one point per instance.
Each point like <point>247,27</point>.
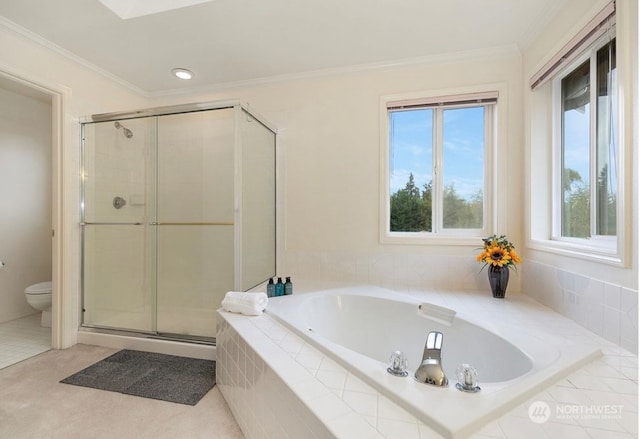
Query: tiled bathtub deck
<point>260,361</point>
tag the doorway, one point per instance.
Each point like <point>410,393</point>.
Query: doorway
<point>26,170</point>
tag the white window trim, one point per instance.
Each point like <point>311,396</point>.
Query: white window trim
<point>495,216</point>
<point>592,250</point>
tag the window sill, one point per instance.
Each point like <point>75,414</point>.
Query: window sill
<point>411,238</point>
<point>574,250</point>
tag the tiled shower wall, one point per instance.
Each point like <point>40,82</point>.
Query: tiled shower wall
<point>606,309</point>
<point>609,310</point>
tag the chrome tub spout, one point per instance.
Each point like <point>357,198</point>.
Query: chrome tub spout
<point>430,370</point>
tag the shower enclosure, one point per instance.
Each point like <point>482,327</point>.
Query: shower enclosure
<point>178,207</point>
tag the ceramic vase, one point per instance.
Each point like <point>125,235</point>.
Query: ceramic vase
<point>498,280</point>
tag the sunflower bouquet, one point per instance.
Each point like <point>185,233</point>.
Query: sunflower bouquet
<point>497,251</point>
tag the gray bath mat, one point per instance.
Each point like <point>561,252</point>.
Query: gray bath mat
<point>157,376</point>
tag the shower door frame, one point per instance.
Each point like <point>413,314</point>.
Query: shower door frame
<point>239,108</point>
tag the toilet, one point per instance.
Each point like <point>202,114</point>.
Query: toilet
<point>39,297</point>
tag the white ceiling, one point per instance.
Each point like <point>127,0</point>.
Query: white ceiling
<point>234,41</point>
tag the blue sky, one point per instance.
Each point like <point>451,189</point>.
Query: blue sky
<point>411,148</point>
<point>576,141</point>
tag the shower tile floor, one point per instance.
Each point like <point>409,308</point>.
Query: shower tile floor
<point>22,338</point>
<point>34,404</point>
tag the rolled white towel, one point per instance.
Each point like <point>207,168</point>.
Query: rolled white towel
<point>251,304</point>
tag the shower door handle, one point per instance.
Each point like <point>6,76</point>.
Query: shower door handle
<point>92,223</point>
<point>192,223</point>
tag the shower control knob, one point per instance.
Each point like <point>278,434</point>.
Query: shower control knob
<point>119,202</point>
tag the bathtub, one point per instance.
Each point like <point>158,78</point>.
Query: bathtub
<point>360,327</point>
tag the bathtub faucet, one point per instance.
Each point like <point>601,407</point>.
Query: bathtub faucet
<point>430,370</point>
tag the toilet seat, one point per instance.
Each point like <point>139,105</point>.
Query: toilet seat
<point>41,288</point>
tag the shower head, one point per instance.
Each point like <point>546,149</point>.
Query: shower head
<point>127,132</point>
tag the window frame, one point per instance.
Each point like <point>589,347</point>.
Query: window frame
<point>596,246</point>
<point>495,135</point>
<point>539,120</point>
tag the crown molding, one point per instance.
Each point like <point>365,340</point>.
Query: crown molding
<point>43,42</point>
<point>444,58</point>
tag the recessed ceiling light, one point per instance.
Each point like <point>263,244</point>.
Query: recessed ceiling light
<point>183,73</point>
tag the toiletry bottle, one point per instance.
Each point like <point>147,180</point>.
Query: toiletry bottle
<point>271,288</point>
<point>288,287</point>
<point>279,287</point>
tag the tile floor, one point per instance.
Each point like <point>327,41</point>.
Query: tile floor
<point>34,405</point>
<point>22,338</point>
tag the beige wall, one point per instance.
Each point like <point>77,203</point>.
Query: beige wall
<point>329,145</point>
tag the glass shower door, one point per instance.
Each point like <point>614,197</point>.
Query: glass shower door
<point>258,220</point>
<point>195,220</point>
<point>117,241</point>
<point>177,209</point>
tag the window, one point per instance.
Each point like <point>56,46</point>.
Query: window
<point>588,174</point>
<point>438,156</point>
<point>581,135</point>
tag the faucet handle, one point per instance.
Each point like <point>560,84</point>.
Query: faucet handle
<point>398,364</point>
<point>467,378</point>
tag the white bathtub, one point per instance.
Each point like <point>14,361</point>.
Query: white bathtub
<point>360,327</point>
